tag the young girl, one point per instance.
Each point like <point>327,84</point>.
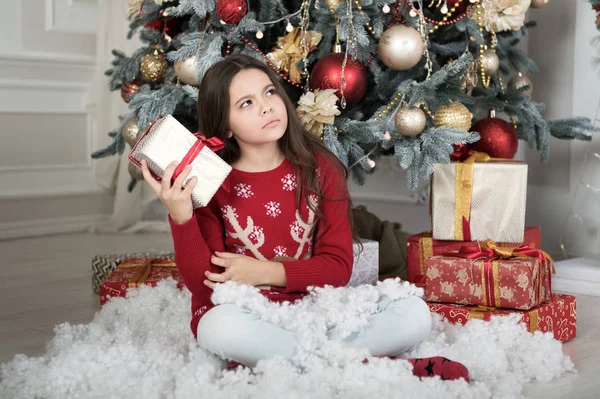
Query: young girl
<point>282,223</point>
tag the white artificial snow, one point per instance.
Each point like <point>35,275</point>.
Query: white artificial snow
<point>142,347</point>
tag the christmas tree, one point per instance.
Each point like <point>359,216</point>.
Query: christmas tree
<point>411,79</point>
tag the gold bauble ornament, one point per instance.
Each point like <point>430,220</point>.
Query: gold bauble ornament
<point>186,71</point>
<point>135,171</point>
<point>538,3</point>
<point>400,47</point>
<point>453,115</point>
<point>521,81</point>
<point>130,132</point>
<point>490,62</point>
<point>410,121</point>
<point>154,66</point>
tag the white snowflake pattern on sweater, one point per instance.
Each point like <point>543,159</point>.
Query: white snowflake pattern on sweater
<point>289,182</point>
<point>257,233</point>
<point>273,209</point>
<point>244,190</point>
<point>280,251</point>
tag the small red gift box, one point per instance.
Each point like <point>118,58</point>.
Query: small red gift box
<point>512,278</point>
<point>422,247</point>
<point>134,272</point>
<point>558,316</point>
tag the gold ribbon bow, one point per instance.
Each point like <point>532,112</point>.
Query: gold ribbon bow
<point>289,51</point>
<point>524,251</point>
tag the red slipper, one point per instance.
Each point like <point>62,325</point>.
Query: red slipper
<point>445,368</point>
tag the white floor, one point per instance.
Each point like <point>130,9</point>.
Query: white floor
<point>47,280</point>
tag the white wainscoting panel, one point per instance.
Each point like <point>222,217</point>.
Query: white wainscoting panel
<point>48,62</point>
<point>72,16</point>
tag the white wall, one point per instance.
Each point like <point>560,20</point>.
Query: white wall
<point>568,85</point>
<point>47,61</point>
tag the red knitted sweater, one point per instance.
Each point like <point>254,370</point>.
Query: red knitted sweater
<point>255,214</point>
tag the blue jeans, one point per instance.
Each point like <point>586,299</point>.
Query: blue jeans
<point>233,333</point>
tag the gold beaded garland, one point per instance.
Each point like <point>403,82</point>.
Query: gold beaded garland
<point>487,57</point>
<point>275,69</point>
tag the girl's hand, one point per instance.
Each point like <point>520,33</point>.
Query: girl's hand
<point>238,268</point>
<point>176,198</point>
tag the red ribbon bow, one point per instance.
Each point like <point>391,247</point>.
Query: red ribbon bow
<point>461,153</point>
<point>213,143</point>
<point>488,250</point>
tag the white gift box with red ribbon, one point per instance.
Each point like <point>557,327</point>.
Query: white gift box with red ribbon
<point>167,140</point>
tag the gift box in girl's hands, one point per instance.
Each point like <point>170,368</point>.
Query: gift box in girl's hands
<point>167,140</point>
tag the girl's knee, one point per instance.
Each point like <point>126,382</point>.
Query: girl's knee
<point>414,314</point>
<point>217,326</point>
<point>421,315</point>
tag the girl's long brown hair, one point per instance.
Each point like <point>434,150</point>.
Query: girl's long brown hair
<point>299,146</point>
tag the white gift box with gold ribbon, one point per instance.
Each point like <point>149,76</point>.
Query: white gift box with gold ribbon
<point>476,201</point>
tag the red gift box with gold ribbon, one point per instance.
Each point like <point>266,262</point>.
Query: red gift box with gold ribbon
<point>133,272</point>
<point>558,316</point>
<point>512,278</point>
<point>422,247</point>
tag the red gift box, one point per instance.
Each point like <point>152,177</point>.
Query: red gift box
<point>422,247</point>
<point>134,272</point>
<point>558,316</point>
<point>512,278</point>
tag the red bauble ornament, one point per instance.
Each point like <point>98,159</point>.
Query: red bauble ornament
<point>231,11</point>
<point>170,26</point>
<point>498,138</point>
<point>327,74</point>
<point>156,24</point>
<point>129,89</point>
<point>173,26</point>
<point>461,7</point>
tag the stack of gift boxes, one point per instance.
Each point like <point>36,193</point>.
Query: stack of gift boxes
<point>480,259</point>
